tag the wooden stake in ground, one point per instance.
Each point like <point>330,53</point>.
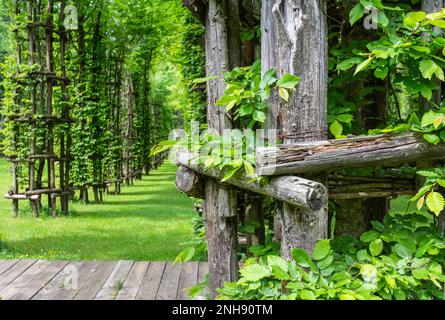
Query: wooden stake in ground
<point>222,53</point>
<point>295,42</point>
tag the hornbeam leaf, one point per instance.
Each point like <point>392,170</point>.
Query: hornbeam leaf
<point>255,272</point>
<point>356,14</point>
<point>435,202</point>
<point>363,65</point>
<point>420,203</point>
<point>284,94</point>
<point>321,249</point>
<point>431,138</point>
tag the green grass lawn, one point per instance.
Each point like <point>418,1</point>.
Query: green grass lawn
<point>147,222</point>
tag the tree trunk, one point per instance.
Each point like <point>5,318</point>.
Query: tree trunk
<point>295,32</point>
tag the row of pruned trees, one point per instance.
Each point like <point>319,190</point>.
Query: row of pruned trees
<point>81,111</point>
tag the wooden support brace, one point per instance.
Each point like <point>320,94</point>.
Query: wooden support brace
<point>295,191</point>
<point>310,157</point>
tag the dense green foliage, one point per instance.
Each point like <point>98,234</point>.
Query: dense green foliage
<point>401,258</point>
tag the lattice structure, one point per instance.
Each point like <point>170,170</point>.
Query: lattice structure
<point>36,112</point>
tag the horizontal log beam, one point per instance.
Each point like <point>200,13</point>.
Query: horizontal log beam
<point>366,151</point>
<point>341,187</point>
<point>296,191</point>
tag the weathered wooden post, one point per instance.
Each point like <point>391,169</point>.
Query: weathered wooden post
<point>222,41</point>
<point>295,41</point>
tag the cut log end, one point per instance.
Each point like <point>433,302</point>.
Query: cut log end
<point>189,182</point>
<point>317,197</point>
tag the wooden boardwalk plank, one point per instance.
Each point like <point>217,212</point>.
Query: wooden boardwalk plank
<point>15,271</point>
<point>152,281</point>
<point>85,270</point>
<point>202,273</point>
<point>168,289</point>
<point>134,281</point>
<point>22,281</point>
<point>189,278</point>
<point>88,280</point>
<point>66,279</point>
<point>5,265</point>
<point>115,281</point>
<point>92,286</point>
<point>39,281</point>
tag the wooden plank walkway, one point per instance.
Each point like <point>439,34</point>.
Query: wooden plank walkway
<point>98,280</point>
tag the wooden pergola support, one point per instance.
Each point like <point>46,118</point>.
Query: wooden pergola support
<point>366,151</point>
<point>296,191</point>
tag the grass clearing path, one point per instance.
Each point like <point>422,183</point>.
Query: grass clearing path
<point>148,222</point>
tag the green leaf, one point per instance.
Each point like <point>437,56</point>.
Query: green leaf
<point>428,174</point>
<point>402,251</point>
<point>301,257</point>
<point>369,272</point>
<point>356,14</point>
<point>255,272</point>
<point>441,182</point>
<point>246,110</point>
<point>186,255</point>
<point>326,262</point>
<point>284,94</point>
<point>307,295</point>
<point>249,169</point>
<point>229,174</point>
<point>438,23</point>
<point>382,19</point>
<point>259,116</point>
<point>428,119</point>
<point>428,68</point>
<point>431,138</point>
<point>336,129</point>
<point>369,236</point>
<point>345,118</point>
<point>321,249</point>
<point>363,65</point>
<point>413,18</point>
<point>381,72</point>
<point>349,63</point>
<point>426,92</point>
<point>376,247</point>
<point>279,273</point>
<point>288,81</point>
<point>435,202</point>
<point>421,274</point>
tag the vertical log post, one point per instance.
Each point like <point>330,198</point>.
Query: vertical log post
<point>49,106</point>
<point>295,33</point>
<point>222,53</point>
<point>430,6</point>
<point>31,171</point>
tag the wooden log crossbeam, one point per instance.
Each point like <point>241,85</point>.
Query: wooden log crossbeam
<point>296,191</point>
<point>367,151</point>
<point>37,118</point>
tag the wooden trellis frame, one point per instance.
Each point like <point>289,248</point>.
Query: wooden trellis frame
<point>49,120</point>
<point>303,152</point>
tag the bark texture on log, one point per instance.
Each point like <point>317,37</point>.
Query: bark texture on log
<point>190,183</point>
<point>346,153</point>
<point>223,43</point>
<point>296,191</point>
<point>295,41</point>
